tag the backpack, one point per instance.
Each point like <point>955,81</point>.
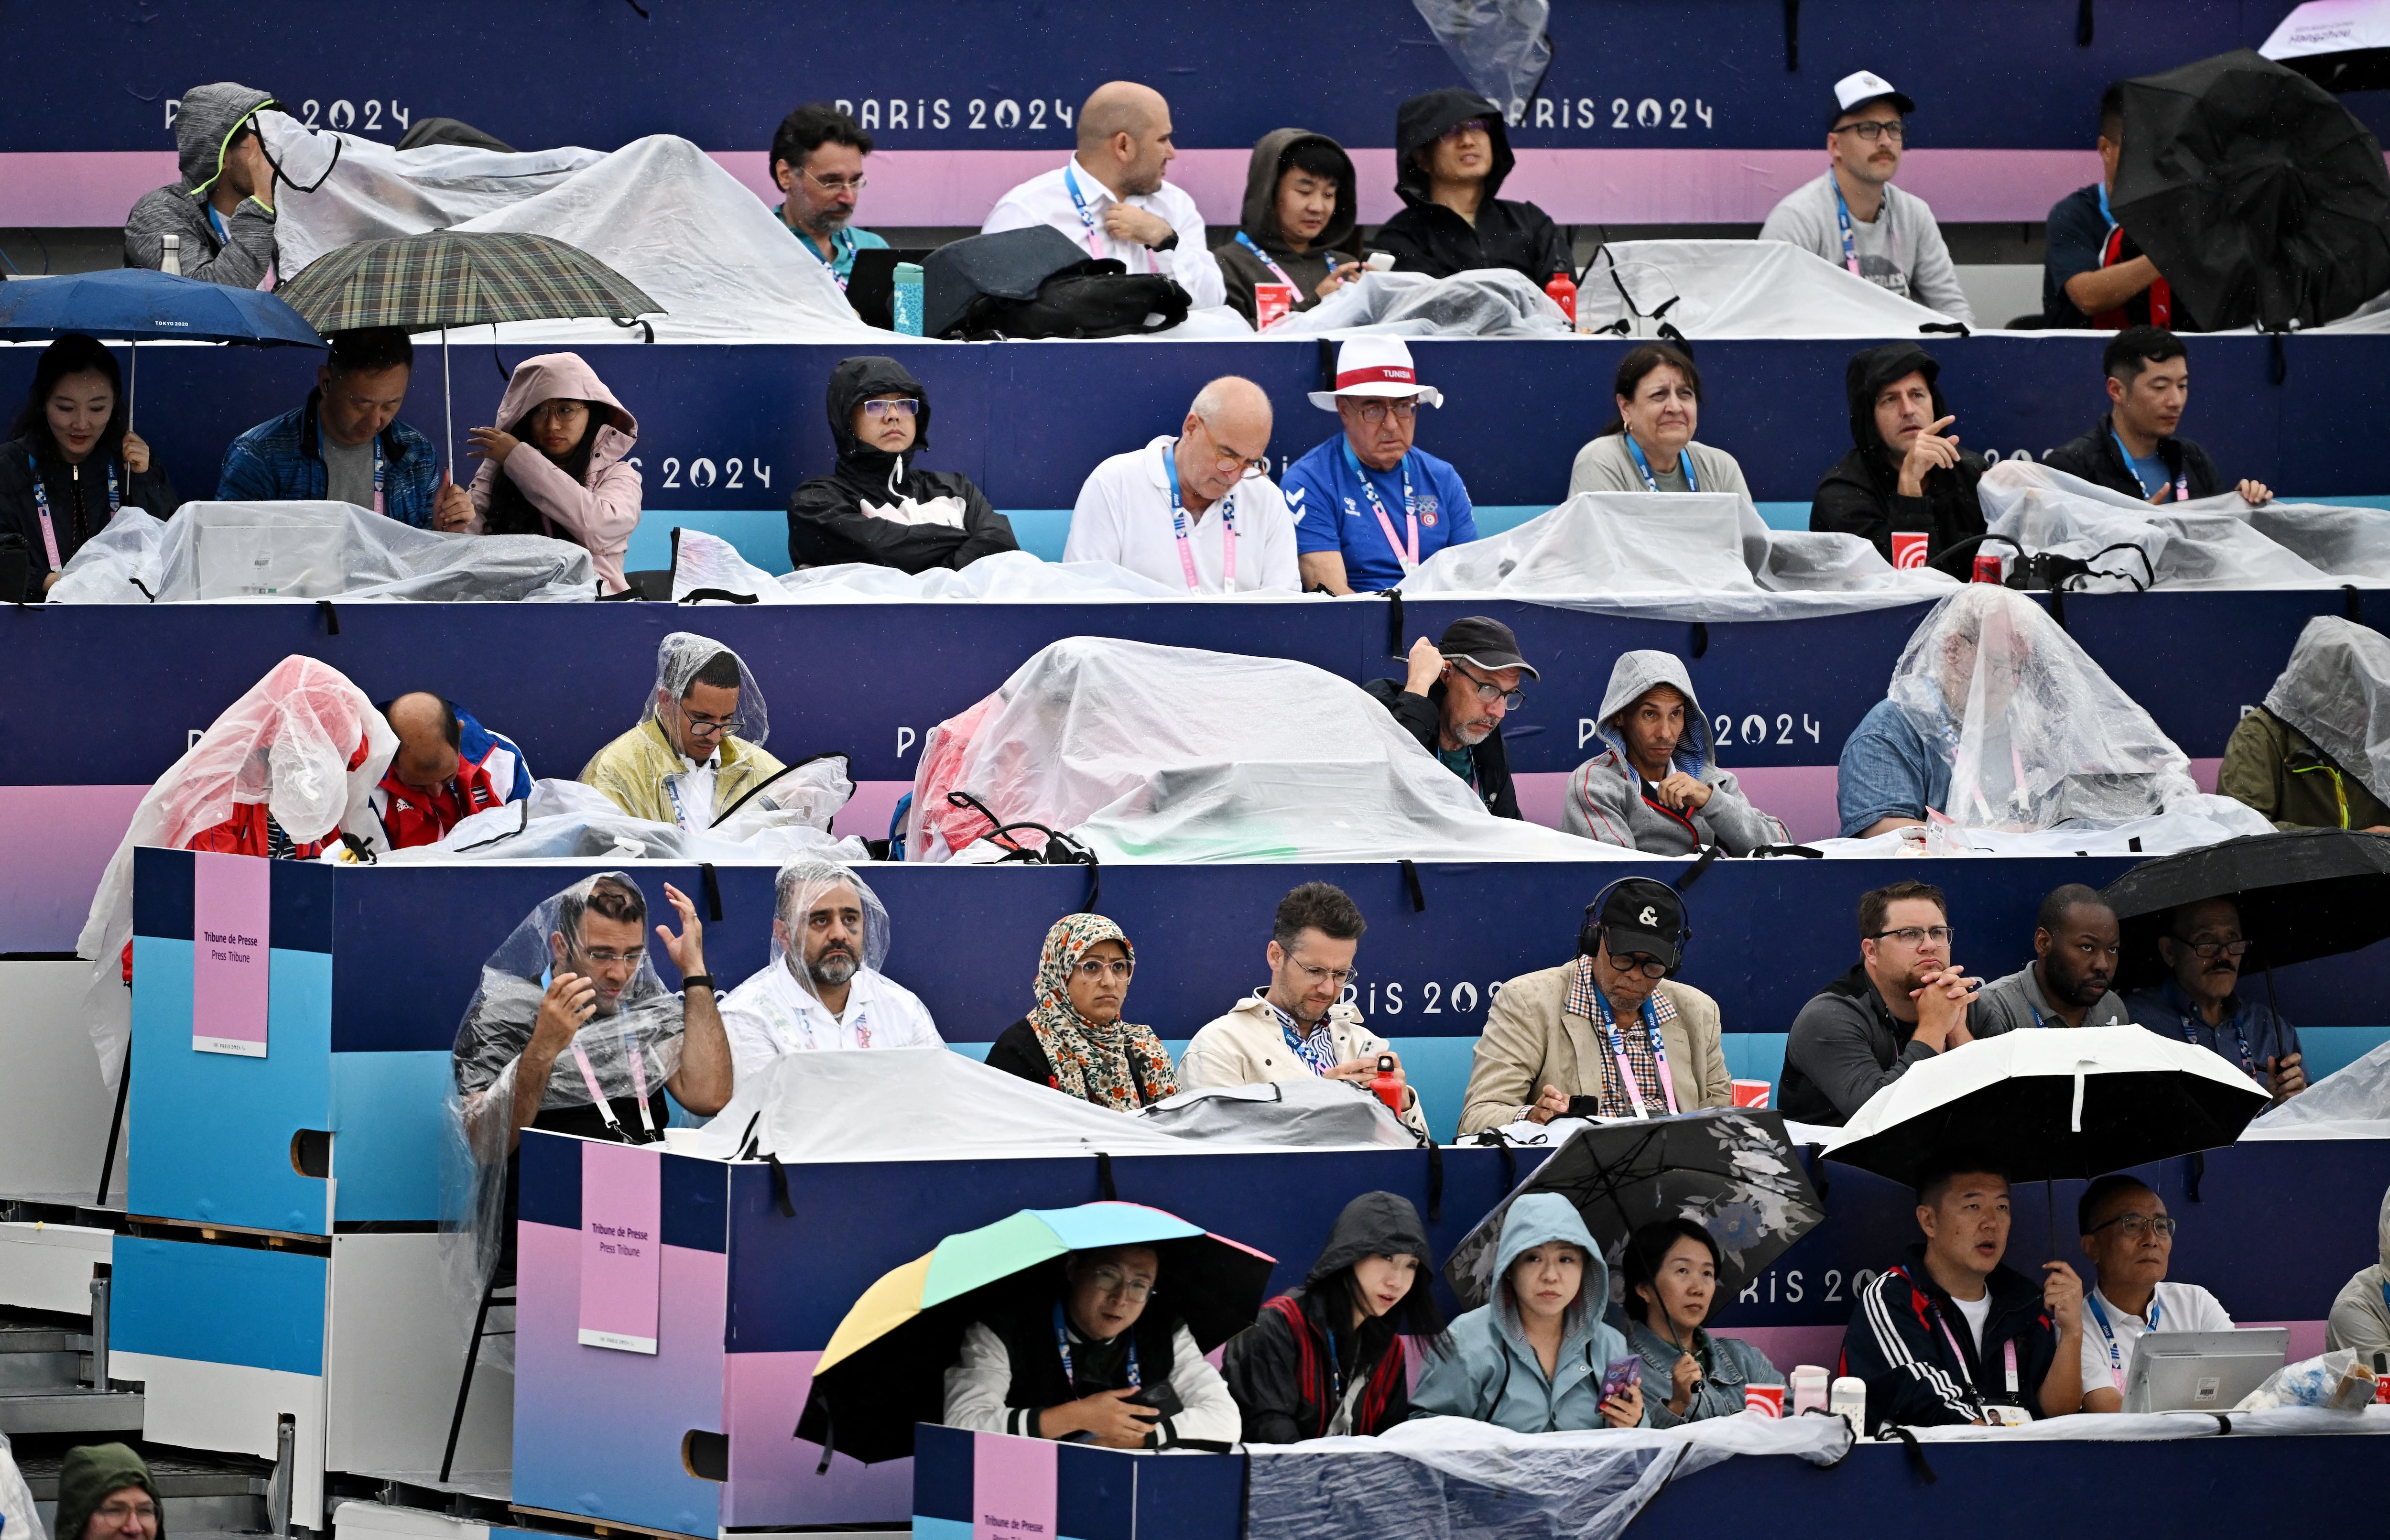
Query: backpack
<point>1037,282</point>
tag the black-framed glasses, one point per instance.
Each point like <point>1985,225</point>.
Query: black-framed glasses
<point>1112,1280</point>
<point>2135,1226</point>
<point>1911,935</point>
<point>906,406</point>
<point>2208,951</point>
<point>706,727</point>
<point>1487,690</point>
<point>1637,962</point>
<point>1871,130</point>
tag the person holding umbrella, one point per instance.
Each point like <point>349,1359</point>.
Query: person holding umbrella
<point>2093,274</point>
<point>2202,947</point>
<point>74,461</point>
<point>345,443</point>
<point>1672,1268</point>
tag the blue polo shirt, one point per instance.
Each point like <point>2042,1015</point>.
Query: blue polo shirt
<point>1323,493</point>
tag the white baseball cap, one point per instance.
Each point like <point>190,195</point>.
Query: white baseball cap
<point>1375,366</point>
<point>1864,86</point>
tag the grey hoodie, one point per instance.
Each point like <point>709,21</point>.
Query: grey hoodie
<point>1241,270</point>
<point>1605,795</point>
<point>209,117</point>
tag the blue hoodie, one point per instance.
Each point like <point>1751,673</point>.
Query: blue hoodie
<point>1492,1374</point>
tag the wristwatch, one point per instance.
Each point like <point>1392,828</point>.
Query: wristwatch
<point>1169,244</point>
<point>693,980</point>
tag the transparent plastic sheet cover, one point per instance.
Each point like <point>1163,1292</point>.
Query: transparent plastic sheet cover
<point>2336,690</point>
<point>1307,1113</point>
<point>801,885</point>
<point>1443,1477</point>
<point>323,550</point>
<point>679,657</point>
<point>2353,1102</point>
<point>1159,753</point>
<point>289,743</point>
<point>567,819</point>
<point>1696,556</point>
<point>2199,820</point>
<point>1499,46</point>
<point>658,211</point>
<point>1486,301</point>
<point>706,563</point>
<point>1737,288</point>
<point>19,1516</point>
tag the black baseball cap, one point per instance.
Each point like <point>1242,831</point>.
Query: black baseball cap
<point>1642,915</point>
<point>1486,643</point>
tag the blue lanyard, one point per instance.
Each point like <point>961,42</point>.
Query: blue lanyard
<point>1403,558</point>
<point>1319,1050</point>
<point>1063,1347</point>
<point>1179,523</point>
<point>2181,484</point>
<point>1247,242</point>
<point>2115,1358</point>
<point>1086,216</point>
<point>1684,459</point>
<point>42,507</point>
<point>1843,212</point>
<point>2191,1025</point>
<point>2103,207</point>
<point>830,262</point>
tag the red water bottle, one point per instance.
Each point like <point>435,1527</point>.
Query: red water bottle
<point>1389,1089</point>
<point>1562,288</point>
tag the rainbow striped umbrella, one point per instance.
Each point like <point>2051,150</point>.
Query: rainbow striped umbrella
<point>886,1367</point>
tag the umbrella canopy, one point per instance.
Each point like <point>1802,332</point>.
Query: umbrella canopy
<point>2340,44</point>
<point>884,1368</point>
<point>135,305</point>
<point>447,278</point>
<point>2052,1104</point>
<point>2259,194</point>
<point>2304,894</point>
<point>1728,1169</point>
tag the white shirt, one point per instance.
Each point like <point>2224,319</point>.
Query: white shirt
<point>691,791</point>
<point>1047,201</point>
<point>772,1014</point>
<point>1977,1312</point>
<point>2177,1306</point>
<point>1123,517</point>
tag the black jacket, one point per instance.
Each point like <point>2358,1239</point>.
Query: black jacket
<point>1428,238</point>
<point>1861,495</point>
<point>1897,1343</point>
<point>1422,717</point>
<point>78,499</point>
<point>1016,1051</point>
<point>1286,1370</point>
<point>2096,458</point>
<point>827,522</point>
<point>1024,1323</point>
<point>1240,270</point>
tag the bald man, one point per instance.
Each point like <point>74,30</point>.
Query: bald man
<point>447,768</point>
<point>1197,512</point>
<point>1110,198</point>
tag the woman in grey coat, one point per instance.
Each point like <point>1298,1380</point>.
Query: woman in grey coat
<point>1648,445</point>
<point>1671,1269</point>
<point>1656,786</point>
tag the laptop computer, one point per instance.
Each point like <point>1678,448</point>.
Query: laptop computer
<point>2202,1372</point>
<point>871,283</point>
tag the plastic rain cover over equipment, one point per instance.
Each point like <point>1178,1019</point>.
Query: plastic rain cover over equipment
<point>568,819</point>
<point>2353,1102</point>
<point>1484,302</point>
<point>2213,543</point>
<point>658,211</point>
<point>304,741</point>
<point>1690,556</point>
<point>1162,754</point>
<point>706,565</point>
<point>314,551</point>
<point>1307,1113</point>
<point>1719,289</point>
<point>2336,690</point>
<point>1441,1478</point>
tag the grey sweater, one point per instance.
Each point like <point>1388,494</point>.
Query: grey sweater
<point>210,116</point>
<point>1603,465</point>
<point>1901,251</point>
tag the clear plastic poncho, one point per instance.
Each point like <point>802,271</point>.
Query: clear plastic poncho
<point>2336,690</point>
<point>304,741</point>
<point>2207,544</point>
<point>2037,734</point>
<point>1499,46</point>
<point>801,886</point>
<point>636,1043</point>
<point>679,657</point>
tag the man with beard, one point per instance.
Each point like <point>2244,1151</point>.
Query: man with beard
<point>1656,786</point>
<point>2202,947</point>
<point>1907,474</point>
<point>1904,1003</point>
<point>823,987</point>
<point>2069,983</point>
<point>1458,692</point>
<point>817,164</point>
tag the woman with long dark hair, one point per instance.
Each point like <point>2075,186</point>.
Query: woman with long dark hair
<point>71,461</point>
<point>1648,445</point>
<point>554,465</point>
<point>1328,1358</point>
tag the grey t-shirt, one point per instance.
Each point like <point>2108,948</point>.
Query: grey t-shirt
<point>348,471</point>
<point>2016,1002</point>
<point>1901,251</point>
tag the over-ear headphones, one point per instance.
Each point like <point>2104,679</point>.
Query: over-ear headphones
<point>1588,936</point>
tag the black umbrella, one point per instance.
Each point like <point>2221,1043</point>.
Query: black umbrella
<point>2303,893</point>
<point>1728,1169</point>
<point>2254,191</point>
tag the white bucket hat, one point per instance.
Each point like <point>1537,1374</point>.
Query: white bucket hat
<point>1375,366</point>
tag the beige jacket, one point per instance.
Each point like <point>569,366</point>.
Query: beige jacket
<point>1247,1047</point>
<point>1530,1041</point>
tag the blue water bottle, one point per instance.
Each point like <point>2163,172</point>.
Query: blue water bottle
<point>908,306</point>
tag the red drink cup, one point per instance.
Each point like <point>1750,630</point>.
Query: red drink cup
<point>1767,1399</point>
<point>1987,568</point>
<point>1751,1092</point>
<point>1908,548</point>
<point>1272,302</point>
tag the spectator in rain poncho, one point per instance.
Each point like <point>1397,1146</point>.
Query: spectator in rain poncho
<point>823,987</point>
<point>555,464</point>
<point>1073,1040</point>
<point>878,505</point>
<point>2317,753</point>
<point>283,773</point>
<point>1657,787</point>
<point>697,751</point>
<point>223,207</point>
<point>2360,1315</point>
<point>572,1031</point>
<point>1997,719</point>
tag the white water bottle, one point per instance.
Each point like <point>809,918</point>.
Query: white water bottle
<point>1849,1399</point>
<point>172,260</point>
<point>1809,1382</point>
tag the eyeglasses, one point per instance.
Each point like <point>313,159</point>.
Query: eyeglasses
<point>706,727</point>
<point>1473,125</point>
<point>2208,951</point>
<point>1093,968</point>
<point>1871,130</point>
<point>1225,458</point>
<point>1112,1280</point>
<point>1488,691</point>
<point>1910,935</point>
<point>1335,978</point>
<point>835,184</point>
<point>2134,1226</point>
<point>608,959</point>
<point>116,1513</point>
<point>882,408</point>
<point>1637,962</point>
<point>1376,412</point>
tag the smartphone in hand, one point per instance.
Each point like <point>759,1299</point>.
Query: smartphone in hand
<point>1622,1373</point>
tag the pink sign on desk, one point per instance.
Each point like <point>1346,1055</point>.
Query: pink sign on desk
<point>231,901</point>
<point>1012,1487</point>
<point>621,1246</point>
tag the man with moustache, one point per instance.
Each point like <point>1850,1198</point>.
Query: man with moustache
<point>2202,947</point>
<point>2069,982</point>
<point>2129,1237</point>
<point>1368,504</point>
<point>1453,702</point>
<point>821,989</point>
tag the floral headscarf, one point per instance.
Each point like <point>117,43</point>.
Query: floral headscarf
<point>1122,1066</point>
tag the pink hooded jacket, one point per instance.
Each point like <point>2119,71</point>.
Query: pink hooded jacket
<point>600,515</point>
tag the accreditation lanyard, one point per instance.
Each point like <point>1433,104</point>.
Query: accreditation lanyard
<point>1684,459</point>
<point>1178,522</point>
<point>42,507</point>
<point>830,262</point>
<point>1409,557</point>
<point>1247,242</point>
<point>1626,1070</point>
<point>2008,1349</point>
<point>1063,1347</point>
<point>2181,484</point>
<point>2116,1357</point>
<point>1088,221</point>
<point>638,1081</point>
<point>1317,1050</point>
<point>2191,1024</point>
<point>1843,212</point>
